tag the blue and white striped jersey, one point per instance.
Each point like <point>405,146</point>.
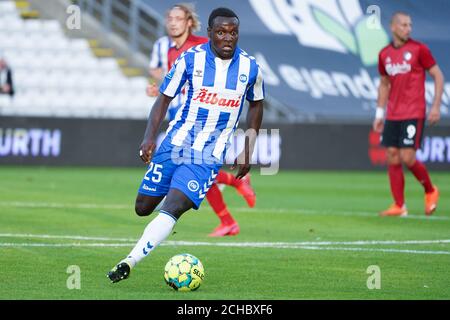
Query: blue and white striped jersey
<point>158,58</point>
<point>215,92</point>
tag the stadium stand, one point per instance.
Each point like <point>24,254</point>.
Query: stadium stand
<point>55,75</point>
<point>61,73</point>
<point>318,78</point>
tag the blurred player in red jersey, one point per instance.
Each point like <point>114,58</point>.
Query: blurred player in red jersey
<point>402,65</point>
<point>181,22</point>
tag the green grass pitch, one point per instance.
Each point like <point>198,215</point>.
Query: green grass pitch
<point>312,235</point>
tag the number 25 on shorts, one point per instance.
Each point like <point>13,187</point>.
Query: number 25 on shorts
<point>154,170</point>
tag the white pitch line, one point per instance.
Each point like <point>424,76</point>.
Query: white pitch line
<point>307,243</point>
<point>72,237</point>
<point>75,244</point>
<point>10,244</point>
<point>336,213</point>
<point>375,250</point>
<point>21,204</point>
<point>55,205</point>
<point>236,244</point>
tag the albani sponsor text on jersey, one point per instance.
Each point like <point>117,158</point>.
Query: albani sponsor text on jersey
<point>207,97</point>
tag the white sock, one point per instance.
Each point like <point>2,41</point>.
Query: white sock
<point>155,232</point>
<point>159,206</point>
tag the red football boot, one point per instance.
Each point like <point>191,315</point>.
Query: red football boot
<point>245,189</point>
<point>225,230</point>
<point>431,200</point>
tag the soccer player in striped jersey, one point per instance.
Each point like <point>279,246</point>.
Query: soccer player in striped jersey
<point>181,22</point>
<point>220,76</point>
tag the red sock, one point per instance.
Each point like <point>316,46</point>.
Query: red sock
<point>420,172</point>
<point>397,181</point>
<point>217,203</point>
<point>226,178</point>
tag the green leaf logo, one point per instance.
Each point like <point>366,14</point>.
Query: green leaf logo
<point>370,41</point>
<point>359,39</point>
<point>336,29</point>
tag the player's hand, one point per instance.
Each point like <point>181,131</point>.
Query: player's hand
<point>434,115</point>
<point>146,151</point>
<point>6,88</point>
<point>244,167</point>
<point>152,90</point>
<point>378,125</point>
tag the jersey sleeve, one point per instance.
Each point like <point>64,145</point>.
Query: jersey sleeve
<point>174,79</point>
<point>381,66</point>
<point>256,91</point>
<point>155,59</point>
<point>426,59</point>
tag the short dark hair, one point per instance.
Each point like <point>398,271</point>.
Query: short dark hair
<point>221,12</point>
<point>399,13</point>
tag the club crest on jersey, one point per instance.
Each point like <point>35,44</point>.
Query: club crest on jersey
<point>243,78</point>
<point>213,99</point>
<point>193,185</point>
<point>407,55</point>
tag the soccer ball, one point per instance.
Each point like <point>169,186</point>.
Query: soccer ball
<point>184,272</point>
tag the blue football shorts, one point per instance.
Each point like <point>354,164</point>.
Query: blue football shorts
<point>166,172</point>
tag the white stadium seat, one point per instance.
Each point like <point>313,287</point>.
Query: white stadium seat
<point>108,64</point>
<point>5,101</point>
<point>56,42</point>
<point>59,76</point>
<point>51,27</point>
<point>33,103</point>
<point>7,8</point>
<point>79,45</point>
<point>33,26</point>
<point>34,79</point>
<point>87,61</point>
<point>99,101</point>
<point>138,83</point>
<point>47,59</point>
<point>119,82</point>
<point>12,24</point>
<point>8,43</point>
<point>60,60</point>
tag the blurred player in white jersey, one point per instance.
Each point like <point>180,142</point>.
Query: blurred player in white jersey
<point>158,62</point>
<point>220,77</point>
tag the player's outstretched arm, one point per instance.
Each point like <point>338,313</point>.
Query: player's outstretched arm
<point>254,120</point>
<point>435,112</point>
<point>155,119</point>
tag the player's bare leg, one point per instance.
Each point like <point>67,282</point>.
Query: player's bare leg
<point>145,205</point>
<point>177,203</point>
<point>157,230</point>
